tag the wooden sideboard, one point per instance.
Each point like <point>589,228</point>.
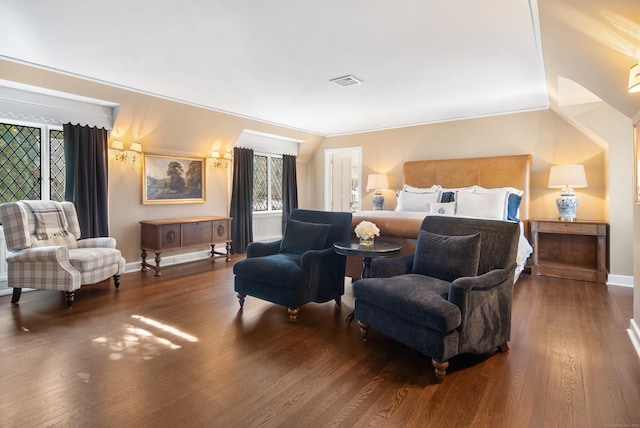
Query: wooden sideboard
<point>571,250</point>
<point>170,234</point>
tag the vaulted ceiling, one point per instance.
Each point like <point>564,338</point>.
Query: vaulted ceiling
<point>420,61</point>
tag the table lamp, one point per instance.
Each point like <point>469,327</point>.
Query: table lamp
<point>566,177</point>
<point>377,182</point>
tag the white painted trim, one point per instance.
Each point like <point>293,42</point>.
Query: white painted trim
<point>634,335</point>
<point>620,280</point>
<point>169,260</point>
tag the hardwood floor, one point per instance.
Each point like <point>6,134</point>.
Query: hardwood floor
<point>176,350</point>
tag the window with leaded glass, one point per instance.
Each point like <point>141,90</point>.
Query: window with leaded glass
<point>30,169</point>
<point>267,182</point>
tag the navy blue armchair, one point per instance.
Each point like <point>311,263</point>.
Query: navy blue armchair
<point>452,296</point>
<point>300,268</point>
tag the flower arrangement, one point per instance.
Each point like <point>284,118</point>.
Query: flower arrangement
<point>367,230</point>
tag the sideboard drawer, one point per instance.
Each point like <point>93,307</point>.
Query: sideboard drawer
<point>170,236</point>
<point>222,230</point>
<point>197,233</point>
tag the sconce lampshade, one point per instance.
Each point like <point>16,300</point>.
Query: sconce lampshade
<point>117,145</point>
<point>566,177</point>
<point>377,182</point>
<point>215,155</point>
<point>135,147</point>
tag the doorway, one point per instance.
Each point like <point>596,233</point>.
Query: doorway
<point>343,178</point>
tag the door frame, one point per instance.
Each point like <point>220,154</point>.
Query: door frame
<point>356,162</point>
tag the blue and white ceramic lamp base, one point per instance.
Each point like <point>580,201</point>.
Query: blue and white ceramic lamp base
<point>567,205</point>
<point>378,201</point>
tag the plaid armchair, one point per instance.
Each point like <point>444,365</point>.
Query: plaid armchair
<point>45,252</point>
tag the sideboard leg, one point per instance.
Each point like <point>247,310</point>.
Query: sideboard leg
<point>157,268</point>
<point>143,256</point>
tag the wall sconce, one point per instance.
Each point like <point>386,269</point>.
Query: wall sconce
<point>220,162</point>
<point>377,182</point>
<point>634,79</point>
<point>123,155</point>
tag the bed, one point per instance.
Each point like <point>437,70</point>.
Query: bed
<point>446,176</point>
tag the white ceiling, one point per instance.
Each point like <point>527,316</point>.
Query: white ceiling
<point>420,61</point>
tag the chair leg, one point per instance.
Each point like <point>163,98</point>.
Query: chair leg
<point>116,280</point>
<point>241,299</point>
<point>339,300</point>
<point>16,295</point>
<point>70,296</point>
<point>440,368</point>
<point>364,331</point>
<point>293,314</point>
<point>504,347</point>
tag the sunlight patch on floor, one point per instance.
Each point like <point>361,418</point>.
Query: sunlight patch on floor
<point>141,343</point>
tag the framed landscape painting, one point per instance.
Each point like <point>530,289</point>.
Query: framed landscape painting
<point>173,179</point>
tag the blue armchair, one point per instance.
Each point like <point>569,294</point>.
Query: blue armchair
<point>302,267</point>
<point>452,296</point>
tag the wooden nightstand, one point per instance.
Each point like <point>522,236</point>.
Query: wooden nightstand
<point>571,250</point>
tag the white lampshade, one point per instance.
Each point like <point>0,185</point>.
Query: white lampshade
<point>562,176</point>
<point>135,147</point>
<point>215,155</point>
<point>117,145</point>
<point>377,181</point>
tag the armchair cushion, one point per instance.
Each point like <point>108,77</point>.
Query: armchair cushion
<point>282,269</point>
<point>446,257</point>
<point>407,296</point>
<point>301,236</point>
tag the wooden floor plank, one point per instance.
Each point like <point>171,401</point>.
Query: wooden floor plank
<point>176,350</point>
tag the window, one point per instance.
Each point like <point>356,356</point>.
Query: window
<point>29,168</point>
<point>267,182</point>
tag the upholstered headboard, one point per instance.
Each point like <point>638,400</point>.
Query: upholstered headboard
<point>494,171</point>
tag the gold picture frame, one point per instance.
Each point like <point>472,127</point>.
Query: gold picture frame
<point>173,179</point>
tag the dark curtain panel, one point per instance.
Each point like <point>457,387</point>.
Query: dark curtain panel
<point>242,200</point>
<point>289,187</point>
<point>86,161</point>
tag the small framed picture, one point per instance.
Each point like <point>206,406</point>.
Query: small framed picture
<point>173,179</point>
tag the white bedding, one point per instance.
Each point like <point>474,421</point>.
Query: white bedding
<point>524,248</point>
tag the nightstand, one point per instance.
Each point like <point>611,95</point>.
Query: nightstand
<point>570,250</point>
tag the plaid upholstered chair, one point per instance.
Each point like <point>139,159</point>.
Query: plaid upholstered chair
<point>45,251</point>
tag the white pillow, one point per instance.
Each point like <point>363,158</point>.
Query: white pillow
<point>483,205</point>
<point>409,201</point>
<point>434,188</point>
<point>505,191</point>
<point>442,208</point>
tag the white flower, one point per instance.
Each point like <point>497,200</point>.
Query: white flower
<point>366,230</point>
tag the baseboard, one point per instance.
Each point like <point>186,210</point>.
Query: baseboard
<point>169,260</point>
<point>620,280</point>
<point>634,334</point>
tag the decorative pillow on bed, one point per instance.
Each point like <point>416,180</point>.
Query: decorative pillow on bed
<point>409,201</point>
<point>442,208</point>
<point>512,198</point>
<point>412,189</point>
<point>446,257</point>
<point>447,196</point>
<point>513,207</point>
<point>482,205</point>
<point>300,236</point>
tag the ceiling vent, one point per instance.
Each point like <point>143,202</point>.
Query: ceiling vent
<point>345,81</point>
